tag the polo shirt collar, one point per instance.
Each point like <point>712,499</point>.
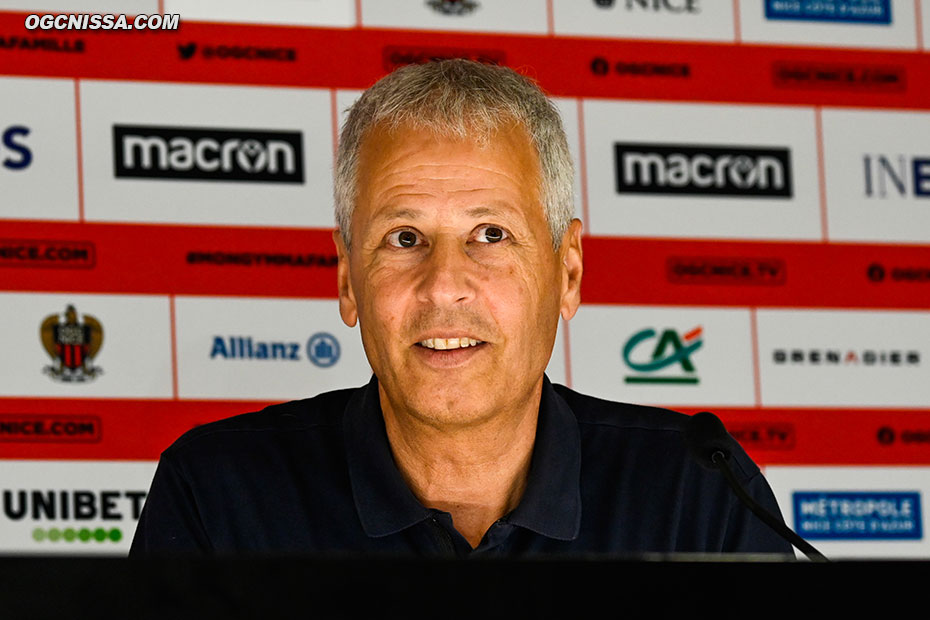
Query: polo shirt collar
<point>551,503</point>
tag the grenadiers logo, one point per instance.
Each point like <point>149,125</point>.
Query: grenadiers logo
<point>72,343</point>
<point>648,353</point>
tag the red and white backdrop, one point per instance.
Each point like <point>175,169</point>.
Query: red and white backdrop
<point>753,177</point>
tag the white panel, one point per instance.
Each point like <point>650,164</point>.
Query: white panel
<point>925,21</point>
<point>71,507</point>
<point>855,526</point>
<point>288,12</point>
<point>707,20</point>
<point>134,359</point>
<point>840,31</point>
<point>467,15</point>
<point>692,212</point>
<point>249,111</point>
<point>38,153</point>
<point>226,348</point>
<point>844,358</point>
<point>719,352</point>
<point>873,193</point>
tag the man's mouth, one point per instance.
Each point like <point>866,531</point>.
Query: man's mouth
<point>444,344</point>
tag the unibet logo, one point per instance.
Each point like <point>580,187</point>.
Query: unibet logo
<point>670,349</point>
<point>207,154</point>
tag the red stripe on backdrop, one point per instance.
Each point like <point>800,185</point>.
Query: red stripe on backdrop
<point>128,429</point>
<point>141,429</point>
<point>181,260</point>
<point>356,58</point>
<point>276,262</point>
<point>733,273</point>
<point>830,436</point>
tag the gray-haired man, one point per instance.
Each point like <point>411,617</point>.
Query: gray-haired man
<point>457,256</point>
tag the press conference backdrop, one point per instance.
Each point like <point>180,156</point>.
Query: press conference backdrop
<point>753,177</point>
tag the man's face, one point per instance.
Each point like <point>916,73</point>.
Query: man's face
<point>450,246</point>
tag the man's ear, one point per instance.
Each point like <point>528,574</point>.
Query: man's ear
<point>570,256</point>
<point>348,309</point>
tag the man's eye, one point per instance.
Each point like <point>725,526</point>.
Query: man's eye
<point>491,234</point>
<point>403,239</point>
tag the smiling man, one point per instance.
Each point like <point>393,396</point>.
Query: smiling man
<point>458,254</point>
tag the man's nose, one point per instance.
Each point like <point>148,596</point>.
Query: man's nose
<point>446,277</point>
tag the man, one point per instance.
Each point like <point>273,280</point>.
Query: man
<point>457,255</point>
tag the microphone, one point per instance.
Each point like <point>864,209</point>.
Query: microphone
<point>712,446</point>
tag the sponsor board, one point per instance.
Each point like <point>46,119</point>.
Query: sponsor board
<point>528,16</point>
<point>235,51</point>
<point>844,23</point>
<point>696,20</point>
<point>71,507</point>
<point>877,172</point>
<point>265,349</point>
<point>844,358</point>
<point>850,11</point>
<point>852,515</point>
<point>907,274</point>
<point>855,512</point>
<point>38,152</point>
<point>902,436</point>
<point>64,254</point>
<point>42,43</point>
<point>764,435</point>
<point>332,13</point>
<point>701,171</point>
<point>86,346</point>
<point>173,153</point>
<point>50,428</point>
<point>217,258</point>
<point>663,356</point>
<point>601,66</point>
<point>394,56</point>
<point>178,153</point>
<point>839,76</point>
<point>726,270</point>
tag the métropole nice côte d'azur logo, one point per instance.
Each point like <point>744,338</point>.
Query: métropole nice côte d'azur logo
<point>670,349</point>
<point>72,343</point>
<point>155,152</point>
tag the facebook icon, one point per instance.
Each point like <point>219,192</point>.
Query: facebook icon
<point>323,349</point>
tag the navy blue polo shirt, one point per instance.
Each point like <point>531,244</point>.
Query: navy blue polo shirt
<point>318,475</point>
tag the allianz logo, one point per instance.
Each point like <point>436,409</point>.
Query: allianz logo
<point>322,349</point>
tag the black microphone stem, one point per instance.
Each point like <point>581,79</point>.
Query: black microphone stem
<point>719,459</point>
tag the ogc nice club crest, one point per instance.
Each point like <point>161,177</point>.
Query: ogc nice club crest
<point>72,344</point>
